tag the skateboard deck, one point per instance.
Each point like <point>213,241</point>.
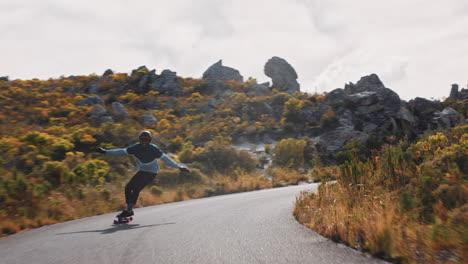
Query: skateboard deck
<point>122,220</point>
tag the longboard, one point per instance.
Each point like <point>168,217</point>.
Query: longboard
<point>122,220</point>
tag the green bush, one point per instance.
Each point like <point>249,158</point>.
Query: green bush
<point>92,171</point>
<point>54,172</point>
<point>156,190</point>
<point>290,152</point>
<point>220,158</point>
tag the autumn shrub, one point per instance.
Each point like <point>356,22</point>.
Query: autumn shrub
<point>92,172</point>
<point>286,176</point>
<point>290,153</point>
<point>329,120</point>
<point>291,111</point>
<point>187,153</point>
<point>405,203</point>
<point>220,158</point>
<point>55,172</point>
<point>156,190</point>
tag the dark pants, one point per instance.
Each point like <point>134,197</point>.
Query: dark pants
<point>136,184</point>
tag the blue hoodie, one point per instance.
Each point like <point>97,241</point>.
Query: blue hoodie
<point>146,158</point>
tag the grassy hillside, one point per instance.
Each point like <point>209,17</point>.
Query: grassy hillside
<point>49,171</point>
<point>408,202</point>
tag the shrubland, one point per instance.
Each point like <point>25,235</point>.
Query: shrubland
<point>407,202</point>
<point>50,172</point>
<point>400,195</point>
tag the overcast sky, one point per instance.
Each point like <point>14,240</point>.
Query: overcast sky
<point>418,48</point>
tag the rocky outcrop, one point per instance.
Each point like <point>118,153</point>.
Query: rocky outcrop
<point>259,90</point>
<point>91,100</point>
<point>312,115</point>
<point>108,72</point>
<point>149,119</point>
<point>118,110</point>
<point>424,110</point>
<point>98,111</point>
<point>255,110</point>
<point>360,109</point>
<point>143,80</point>
<point>455,94</point>
<point>167,83</point>
<point>336,98</point>
<point>99,115</point>
<point>140,70</point>
<point>218,72</point>
<point>94,88</point>
<point>4,78</point>
<point>215,77</point>
<point>283,75</point>
<point>447,118</point>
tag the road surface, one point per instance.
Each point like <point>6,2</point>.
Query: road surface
<point>253,227</point>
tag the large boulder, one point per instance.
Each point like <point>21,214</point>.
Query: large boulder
<point>447,118</point>
<point>371,104</point>
<point>216,76</point>
<point>359,110</point>
<point>371,99</point>
<point>139,71</point>
<point>336,98</point>
<point>94,88</point>
<point>4,78</point>
<point>144,81</point>
<point>455,94</point>
<point>333,141</point>
<point>98,111</point>
<point>119,111</point>
<point>313,114</point>
<point>259,90</point>
<point>424,111</point>
<point>90,101</point>
<point>99,115</point>
<point>283,75</point>
<point>108,72</point>
<point>406,115</point>
<point>149,119</point>
<point>167,83</point>
<point>424,107</point>
<point>368,83</point>
<point>218,72</point>
<point>255,110</point>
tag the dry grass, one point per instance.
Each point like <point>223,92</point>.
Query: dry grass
<point>374,223</point>
<point>286,176</point>
<point>408,203</point>
<point>66,204</point>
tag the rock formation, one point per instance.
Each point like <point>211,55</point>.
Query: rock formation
<point>167,83</point>
<point>215,77</point>
<point>283,75</point>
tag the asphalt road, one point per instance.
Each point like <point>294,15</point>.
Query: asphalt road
<point>253,227</point>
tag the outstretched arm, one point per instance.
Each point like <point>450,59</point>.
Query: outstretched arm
<point>113,152</point>
<point>172,163</point>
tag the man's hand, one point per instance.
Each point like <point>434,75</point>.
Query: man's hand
<point>101,150</point>
<point>183,169</point>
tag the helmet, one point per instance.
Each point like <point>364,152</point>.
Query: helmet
<point>145,134</point>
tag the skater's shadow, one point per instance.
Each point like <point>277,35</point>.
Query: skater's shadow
<point>115,228</point>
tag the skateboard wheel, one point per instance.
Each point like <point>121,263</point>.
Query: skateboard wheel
<point>131,218</point>
<point>115,221</point>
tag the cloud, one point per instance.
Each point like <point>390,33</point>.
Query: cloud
<point>418,48</point>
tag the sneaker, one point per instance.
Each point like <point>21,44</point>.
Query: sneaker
<point>125,213</point>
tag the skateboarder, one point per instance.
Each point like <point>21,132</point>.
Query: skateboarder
<point>146,158</point>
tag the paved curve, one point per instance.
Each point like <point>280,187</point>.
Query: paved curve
<point>253,227</point>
